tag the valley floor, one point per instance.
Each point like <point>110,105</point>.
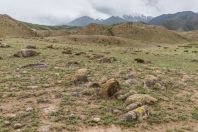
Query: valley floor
<point>44,97</point>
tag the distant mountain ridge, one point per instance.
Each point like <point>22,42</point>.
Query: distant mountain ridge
<point>85,20</point>
<point>181,21</point>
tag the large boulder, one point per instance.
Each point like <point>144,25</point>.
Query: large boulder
<point>142,98</point>
<point>26,53</point>
<point>109,88</point>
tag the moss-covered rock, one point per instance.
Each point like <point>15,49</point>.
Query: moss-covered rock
<point>109,88</point>
<point>143,98</point>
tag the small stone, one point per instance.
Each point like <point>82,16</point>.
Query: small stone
<point>29,109</point>
<point>7,123</point>
<point>133,106</point>
<point>18,126</point>
<point>4,45</point>
<point>116,111</point>
<point>67,51</point>
<point>31,46</point>
<point>81,76</point>
<point>96,120</point>
<point>44,128</point>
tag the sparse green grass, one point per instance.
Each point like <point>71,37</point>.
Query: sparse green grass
<point>77,105</point>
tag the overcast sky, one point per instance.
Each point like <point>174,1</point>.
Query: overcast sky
<point>55,12</point>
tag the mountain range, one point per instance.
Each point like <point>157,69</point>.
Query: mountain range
<point>85,20</point>
<point>181,21</point>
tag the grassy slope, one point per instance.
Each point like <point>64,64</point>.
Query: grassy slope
<point>136,32</point>
<point>12,28</point>
<point>75,106</point>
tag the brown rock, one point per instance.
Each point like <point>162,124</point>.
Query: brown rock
<point>109,88</point>
<point>26,53</point>
<point>18,126</point>
<point>67,51</point>
<point>31,47</point>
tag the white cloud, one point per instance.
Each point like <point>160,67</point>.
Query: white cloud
<point>61,11</point>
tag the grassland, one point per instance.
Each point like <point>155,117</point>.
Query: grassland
<point>46,98</point>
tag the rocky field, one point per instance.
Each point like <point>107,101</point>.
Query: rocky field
<point>54,85</point>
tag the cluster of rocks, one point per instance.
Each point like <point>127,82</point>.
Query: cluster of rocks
<point>153,82</point>
<point>137,105</point>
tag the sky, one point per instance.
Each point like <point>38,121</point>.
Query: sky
<point>57,12</point>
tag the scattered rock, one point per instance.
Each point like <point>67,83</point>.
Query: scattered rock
<point>131,82</point>
<point>4,45</point>
<point>153,82</point>
<point>50,46</point>
<point>96,120</point>
<point>138,60</point>
<point>106,59</point>
<point>195,61</point>
<point>150,81</point>
<point>139,114</point>
<point>81,76</point>
<point>44,128</point>
<point>126,95</point>
<point>26,53</point>
<point>80,53</point>
<point>109,88</point>
<point>67,51</point>
<point>18,126</point>
<point>7,123</point>
<point>132,73</point>
<point>73,63</point>
<point>35,66</point>
<point>29,109</point>
<point>133,106</point>
<point>143,98</point>
<point>31,47</point>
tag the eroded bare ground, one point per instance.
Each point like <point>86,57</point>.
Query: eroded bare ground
<point>46,98</point>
